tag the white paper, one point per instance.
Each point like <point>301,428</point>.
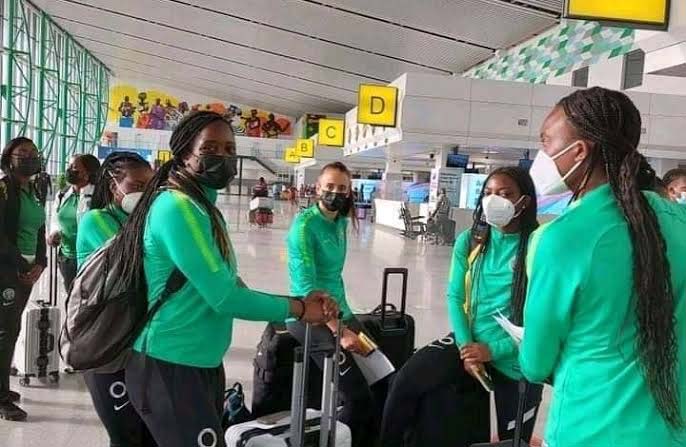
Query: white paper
<point>375,366</point>
<point>516,332</point>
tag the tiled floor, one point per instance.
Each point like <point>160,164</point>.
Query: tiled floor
<point>63,416</point>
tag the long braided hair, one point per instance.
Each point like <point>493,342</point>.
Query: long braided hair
<point>612,124</point>
<point>528,222</point>
<point>114,167</point>
<point>171,175</point>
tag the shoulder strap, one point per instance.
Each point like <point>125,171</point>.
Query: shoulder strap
<point>471,259</point>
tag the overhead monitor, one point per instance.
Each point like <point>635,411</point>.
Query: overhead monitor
<point>652,14</point>
<point>457,161</point>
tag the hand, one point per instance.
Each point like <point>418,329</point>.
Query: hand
<point>350,341</point>
<point>55,239</point>
<point>31,277</point>
<point>473,368</point>
<point>475,352</point>
<point>319,308</point>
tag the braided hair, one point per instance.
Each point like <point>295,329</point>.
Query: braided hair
<point>612,124</point>
<point>114,167</point>
<point>171,175</point>
<point>528,222</point>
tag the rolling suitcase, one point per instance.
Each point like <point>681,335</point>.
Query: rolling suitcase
<point>36,354</point>
<point>273,373</point>
<point>392,330</point>
<point>302,427</point>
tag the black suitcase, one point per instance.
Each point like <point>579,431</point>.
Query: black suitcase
<point>273,373</point>
<point>391,329</point>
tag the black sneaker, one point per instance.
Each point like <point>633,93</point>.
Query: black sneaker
<point>14,396</point>
<point>11,412</point>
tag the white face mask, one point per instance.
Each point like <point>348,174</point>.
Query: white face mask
<point>498,211</point>
<point>681,200</point>
<point>546,175</point>
<point>129,201</point>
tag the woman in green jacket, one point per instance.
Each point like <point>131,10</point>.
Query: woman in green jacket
<point>73,203</point>
<point>22,254</point>
<point>486,280</point>
<point>605,315</point>
<point>175,377</point>
<point>317,245</point>
<point>118,187</point>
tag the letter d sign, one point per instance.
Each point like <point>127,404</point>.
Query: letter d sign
<point>377,105</point>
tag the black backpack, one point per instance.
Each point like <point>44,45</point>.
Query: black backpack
<point>104,316</point>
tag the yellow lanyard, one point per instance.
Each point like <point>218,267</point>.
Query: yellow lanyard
<point>468,281</point>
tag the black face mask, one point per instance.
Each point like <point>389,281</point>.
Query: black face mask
<point>336,201</point>
<point>28,166</point>
<point>72,176</point>
<point>216,171</point>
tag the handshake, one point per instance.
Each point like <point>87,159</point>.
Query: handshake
<point>316,308</point>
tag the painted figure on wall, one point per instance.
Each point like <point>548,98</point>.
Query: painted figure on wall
<point>270,128</point>
<point>143,111</point>
<point>253,125</point>
<point>126,110</point>
<point>157,115</point>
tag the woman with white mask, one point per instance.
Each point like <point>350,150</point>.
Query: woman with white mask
<point>486,280</point>
<point>605,313</point>
<point>121,178</point>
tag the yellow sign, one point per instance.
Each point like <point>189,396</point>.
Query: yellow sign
<point>650,13</point>
<point>377,105</point>
<point>305,148</point>
<point>331,132</point>
<point>164,156</point>
<point>291,155</point>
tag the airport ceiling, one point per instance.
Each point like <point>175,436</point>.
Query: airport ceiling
<point>295,56</point>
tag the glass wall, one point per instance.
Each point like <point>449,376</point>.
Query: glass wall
<point>53,90</point>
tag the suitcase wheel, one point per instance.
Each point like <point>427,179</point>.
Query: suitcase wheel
<point>24,381</point>
<point>54,378</point>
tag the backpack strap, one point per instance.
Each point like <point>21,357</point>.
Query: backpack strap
<point>471,259</point>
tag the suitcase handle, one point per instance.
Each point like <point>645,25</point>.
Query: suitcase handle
<point>384,291</point>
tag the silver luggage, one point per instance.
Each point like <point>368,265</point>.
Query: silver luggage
<point>300,427</point>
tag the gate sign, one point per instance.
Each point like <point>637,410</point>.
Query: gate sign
<point>305,148</point>
<point>164,156</point>
<point>290,155</point>
<point>652,14</point>
<point>377,105</point>
<point>331,132</point>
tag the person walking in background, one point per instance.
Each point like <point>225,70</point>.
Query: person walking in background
<point>605,313</point>
<point>22,255</point>
<point>72,203</point>
<point>117,190</point>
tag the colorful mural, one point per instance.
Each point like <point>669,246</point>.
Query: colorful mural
<point>156,109</point>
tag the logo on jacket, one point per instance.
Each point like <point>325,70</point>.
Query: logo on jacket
<point>8,297</point>
<point>207,438</point>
